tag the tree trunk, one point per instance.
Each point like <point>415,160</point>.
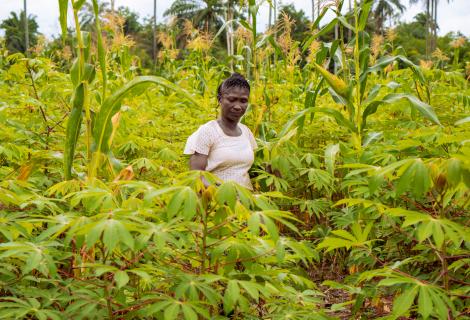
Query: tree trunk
<point>26,28</point>
<point>154,29</point>
<point>274,12</point>
<point>434,26</point>
<point>313,11</point>
<point>270,16</point>
<point>428,39</point>
<point>229,32</point>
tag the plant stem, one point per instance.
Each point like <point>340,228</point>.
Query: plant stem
<point>80,52</point>
<point>357,73</point>
<point>108,303</point>
<point>204,241</point>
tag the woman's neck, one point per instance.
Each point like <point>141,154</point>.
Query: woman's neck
<point>229,124</point>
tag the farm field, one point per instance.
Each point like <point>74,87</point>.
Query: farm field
<point>361,178</point>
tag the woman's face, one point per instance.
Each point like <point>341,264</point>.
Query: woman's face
<point>233,103</point>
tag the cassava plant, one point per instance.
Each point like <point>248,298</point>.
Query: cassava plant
<point>356,213</point>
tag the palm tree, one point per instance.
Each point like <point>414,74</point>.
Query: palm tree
<point>18,29</point>
<point>431,23</point>
<point>26,31</point>
<point>87,15</point>
<point>207,14</point>
<point>386,9</point>
<point>154,31</point>
<point>435,25</point>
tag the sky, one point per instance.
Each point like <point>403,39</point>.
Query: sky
<point>452,16</point>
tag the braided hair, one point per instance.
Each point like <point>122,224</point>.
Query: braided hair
<point>235,80</point>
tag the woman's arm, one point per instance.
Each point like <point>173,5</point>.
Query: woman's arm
<point>198,161</point>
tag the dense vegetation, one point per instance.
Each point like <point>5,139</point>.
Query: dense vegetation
<point>362,177</point>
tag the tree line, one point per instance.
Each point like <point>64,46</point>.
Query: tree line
<point>418,38</point>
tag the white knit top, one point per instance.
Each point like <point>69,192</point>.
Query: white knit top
<point>229,158</point>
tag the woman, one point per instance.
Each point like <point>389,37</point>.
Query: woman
<point>224,146</point>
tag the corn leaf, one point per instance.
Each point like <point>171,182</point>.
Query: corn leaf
<point>63,7</point>
<point>103,126</point>
<point>73,129</point>
<point>426,110</point>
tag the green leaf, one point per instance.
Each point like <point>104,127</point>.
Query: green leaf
<point>254,223</point>
<point>227,194</point>
<point>73,129</point>
<point>271,228</point>
<point>189,313</point>
<point>185,199</point>
<point>75,72</point>
<point>385,61</point>
<point>338,116</point>
<point>103,127</point>
<point>171,312</point>
<point>462,121</point>
<point>89,73</point>
<point>395,280</point>
<point>345,23</point>
<point>454,171</point>
<point>78,4</point>
<point>63,8</point>
<point>156,307</point>
<point>231,296</point>
<point>251,288</point>
<point>403,302</point>
<point>190,204</point>
<point>416,176</point>
<point>175,204</point>
<point>327,28</point>
<point>121,278</point>
<point>332,243</point>
<point>111,234</point>
<point>426,110</point>
<point>344,234</point>
<point>330,155</point>
<point>422,181</point>
<point>438,235</point>
<point>440,306</point>
<point>101,48</point>
<point>365,8</point>
<point>32,262</point>
<point>424,230</point>
<point>94,234</point>
<point>425,305</point>
<point>280,251</point>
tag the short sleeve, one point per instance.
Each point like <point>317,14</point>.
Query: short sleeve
<point>200,141</point>
<point>251,137</point>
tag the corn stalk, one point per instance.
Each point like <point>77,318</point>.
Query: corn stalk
<point>350,90</point>
<point>98,136</point>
